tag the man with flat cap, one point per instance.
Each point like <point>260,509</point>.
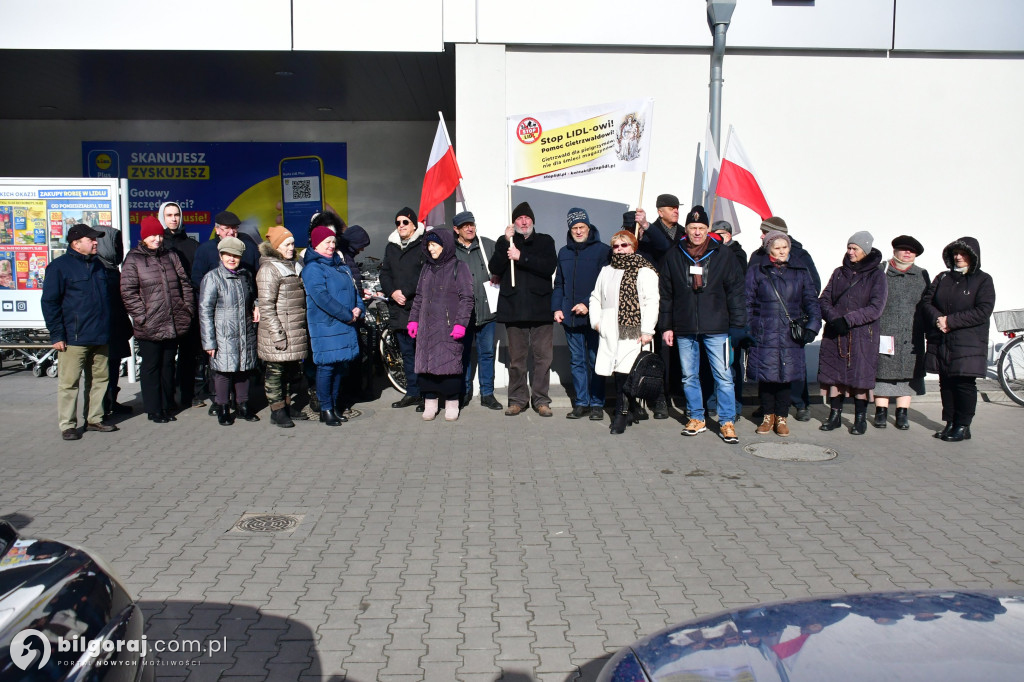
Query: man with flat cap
<point>901,368</point>
<point>76,307</point>
<point>656,239</point>
<point>525,309</point>
<point>475,251</point>
<point>225,224</point>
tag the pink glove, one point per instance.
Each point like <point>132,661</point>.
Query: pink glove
<point>458,331</point>
<point>412,327</point>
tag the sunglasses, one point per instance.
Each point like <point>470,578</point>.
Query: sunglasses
<point>403,222</point>
<point>621,246</point>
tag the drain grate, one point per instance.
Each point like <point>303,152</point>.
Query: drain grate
<point>792,452</point>
<point>268,523</point>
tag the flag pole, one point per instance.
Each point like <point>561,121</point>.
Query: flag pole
<point>640,202</point>
<point>511,263</point>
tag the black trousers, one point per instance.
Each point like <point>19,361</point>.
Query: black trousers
<point>156,374</point>
<point>774,397</point>
<point>189,347</point>
<point>959,399</point>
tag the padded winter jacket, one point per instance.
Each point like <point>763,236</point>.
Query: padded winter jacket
<point>282,334</point>
<point>157,293</point>
<point>579,264</point>
<point>226,302</point>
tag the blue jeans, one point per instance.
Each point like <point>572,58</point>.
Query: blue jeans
<point>407,345</point>
<point>328,383</point>
<point>717,347</point>
<point>483,336</point>
<point>589,387</point>
<point>737,382</point>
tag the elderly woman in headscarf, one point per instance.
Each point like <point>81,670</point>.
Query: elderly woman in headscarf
<point>901,350</point>
<point>440,312</point>
<point>957,307</point>
<point>624,311</point>
<point>851,306</point>
<point>779,292</point>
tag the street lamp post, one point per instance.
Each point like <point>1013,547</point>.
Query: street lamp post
<point>719,16</point>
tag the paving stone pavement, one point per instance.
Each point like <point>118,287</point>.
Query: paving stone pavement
<point>497,548</point>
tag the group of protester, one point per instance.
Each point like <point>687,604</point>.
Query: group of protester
<point>686,286</point>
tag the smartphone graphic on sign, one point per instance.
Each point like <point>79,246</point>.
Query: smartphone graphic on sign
<point>302,193</point>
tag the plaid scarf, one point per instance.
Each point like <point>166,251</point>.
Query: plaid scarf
<point>629,300</point>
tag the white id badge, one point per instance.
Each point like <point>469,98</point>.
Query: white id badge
<point>887,345</point>
<point>696,270</point>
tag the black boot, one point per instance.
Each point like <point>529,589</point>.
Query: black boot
<point>834,421</point>
<point>636,412</point>
<point>902,422</point>
<point>330,418</point>
<point>881,417</point>
<point>280,418</point>
<point>224,416</point>
<point>660,408</point>
<point>941,435</point>
<point>619,422</point>
<point>958,433</point>
<point>860,424</point>
<point>245,413</point>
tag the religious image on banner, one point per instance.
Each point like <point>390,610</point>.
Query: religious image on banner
<point>552,145</point>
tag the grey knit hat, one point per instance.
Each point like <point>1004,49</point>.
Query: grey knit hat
<point>769,237</point>
<point>722,226</point>
<point>863,239</point>
<point>775,223</point>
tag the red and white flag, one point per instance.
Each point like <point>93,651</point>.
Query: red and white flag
<point>718,207</point>
<point>442,178</point>
<point>737,180</point>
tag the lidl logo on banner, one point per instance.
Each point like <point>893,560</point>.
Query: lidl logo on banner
<point>103,163</point>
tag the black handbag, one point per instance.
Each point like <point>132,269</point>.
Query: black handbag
<point>646,379</point>
<point>796,327</point>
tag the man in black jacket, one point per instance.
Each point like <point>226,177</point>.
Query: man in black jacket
<point>723,228</point>
<point>702,304</point>
<point>190,349</point>
<point>76,307</point>
<point>399,274</point>
<point>525,309</point>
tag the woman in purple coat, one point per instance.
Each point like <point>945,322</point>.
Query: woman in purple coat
<point>851,306</point>
<point>441,309</point>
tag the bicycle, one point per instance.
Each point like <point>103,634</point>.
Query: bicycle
<point>375,330</point>
<point>1011,358</point>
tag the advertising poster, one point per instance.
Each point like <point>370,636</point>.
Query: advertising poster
<point>35,214</point>
<point>263,183</point>
<point>550,145</point>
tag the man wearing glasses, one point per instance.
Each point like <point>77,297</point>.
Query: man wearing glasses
<point>399,274</point>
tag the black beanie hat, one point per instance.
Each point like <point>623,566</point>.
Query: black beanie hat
<point>629,220</point>
<point>523,209</point>
<point>697,215</point>
<point>408,213</point>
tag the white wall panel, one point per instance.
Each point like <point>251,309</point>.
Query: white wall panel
<point>825,25</point>
<point>134,25</point>
<point>992,25</point>
<point>459,21</point>
<point>358,26</point>
<point>926,146</point>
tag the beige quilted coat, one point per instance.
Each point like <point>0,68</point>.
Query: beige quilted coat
<point>283,336</point>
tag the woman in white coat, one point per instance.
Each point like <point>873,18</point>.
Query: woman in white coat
<point>623,310</point>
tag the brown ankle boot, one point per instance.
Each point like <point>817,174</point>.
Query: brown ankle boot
<point>766,425</point>
<point>780,427</point>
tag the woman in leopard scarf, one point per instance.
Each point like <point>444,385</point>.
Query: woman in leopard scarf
<point>623,310</point>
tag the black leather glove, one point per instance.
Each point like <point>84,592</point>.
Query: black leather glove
<point>809,335</point>
<point>741,338</point>
<point>840,326</point>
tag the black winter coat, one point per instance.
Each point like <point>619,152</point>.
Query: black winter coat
<point>967,301</point>
<point>530,299</point>
<point>183,245</point>
<point>776,357</point>
<point>578,267</point>
<point>400,270</point>
<point>856,292</point>
<point>715,309</point>
<point>657,241</point>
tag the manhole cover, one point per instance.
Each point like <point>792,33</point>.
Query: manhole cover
<point>268,523</point>
<point>792,452</point>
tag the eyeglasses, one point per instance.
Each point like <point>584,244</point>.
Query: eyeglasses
<point>622,246</point>
<point>403,222</point>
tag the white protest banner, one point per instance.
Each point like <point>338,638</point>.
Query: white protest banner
<point>557,144</point>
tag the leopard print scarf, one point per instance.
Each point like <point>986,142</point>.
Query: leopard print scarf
<point>629,300</point>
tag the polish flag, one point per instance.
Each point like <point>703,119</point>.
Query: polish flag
<point>720,208</point>
<point>737,181</point>
<point>442,178</point>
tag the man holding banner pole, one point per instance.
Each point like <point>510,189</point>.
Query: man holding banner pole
<point>525,309</point>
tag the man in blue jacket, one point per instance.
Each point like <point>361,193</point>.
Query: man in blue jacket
<point>76,307</point>
<point>579,263</point>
